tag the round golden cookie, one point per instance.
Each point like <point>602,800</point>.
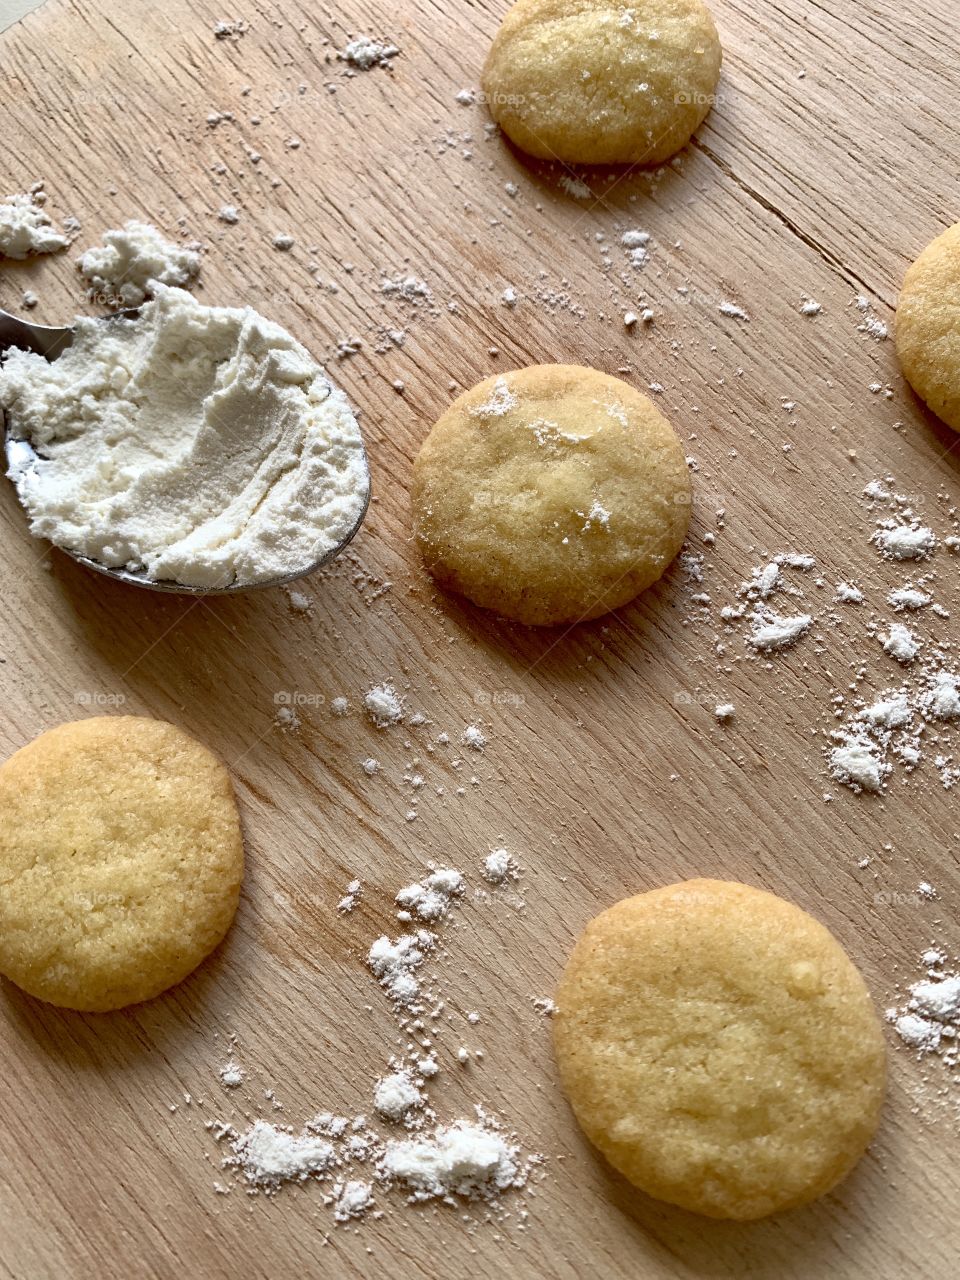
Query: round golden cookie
<point>720,1048</point>
<point>928,326</point>
<point>596,82</point>
<point>550,494</point>
<point>120,861</point>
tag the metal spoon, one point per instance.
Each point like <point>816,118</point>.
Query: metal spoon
<point>50,343</point>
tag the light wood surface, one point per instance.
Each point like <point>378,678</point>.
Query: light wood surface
<point>831,158</point>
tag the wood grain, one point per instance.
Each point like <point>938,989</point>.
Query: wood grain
<point>829,161</point>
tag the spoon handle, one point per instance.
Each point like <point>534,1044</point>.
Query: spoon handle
<point>41,338</point>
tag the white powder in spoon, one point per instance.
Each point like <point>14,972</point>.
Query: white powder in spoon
<point>125,267</point>
<point>201,445</point>
<point>26,228</point>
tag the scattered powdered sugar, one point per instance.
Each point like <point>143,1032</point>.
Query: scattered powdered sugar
<point>908,598</point>
<point>888,726</point>
<point>224,30</point>
<point>733,311</point>
<point>871,323</point>
<point>351,897</point>
<point>384,705</point>
<point>409,288</point>
<point>856,761</point>
<point>471,1159</point>
<point>724,711</point>
<point>473,737</point>
<point>575,187</point>
<point>502,400</point>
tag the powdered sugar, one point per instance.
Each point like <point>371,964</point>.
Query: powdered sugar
<point>906,542</point>
<point>430,899</point>
<point>461,1159</point>
<point>384,705</point>
<point>499,866</point>
<point>26,228</point>
<point>776,632</point>
<point>929,1019</point>
<point>502,400</point>
<point>269,1155</point>
<point>365,52</point>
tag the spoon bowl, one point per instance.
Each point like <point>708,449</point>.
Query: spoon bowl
<point>50,342</point>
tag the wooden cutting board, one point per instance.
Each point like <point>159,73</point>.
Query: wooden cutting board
<point>831,158</point>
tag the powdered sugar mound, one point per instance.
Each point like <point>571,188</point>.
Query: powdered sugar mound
<point>857,763</point>
<point>499,866</point>
<point>132,259</point>
<point>901,643</point>
<point>384,705</point>
<point>929,1021</point>
<point>431,898</point>
<point>847,593</point>
<point>871,323</point>
<point>231,1075</point>
<point>461,1159</point>
<point>396,1095</point>
<point>733,311</point>
<point>269,1155</point>
<point>908,598</point>
<point>889,713</point>
<point>393,964</point>
<point>502,400</point>
<point>905,542</point>
<point>942,699</point>
<point>473,737</point>
<point>365,52</point>
<point>778,632</point>
<point>353,1199</point>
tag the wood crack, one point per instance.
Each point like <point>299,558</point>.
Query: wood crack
<point>826,256</point>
